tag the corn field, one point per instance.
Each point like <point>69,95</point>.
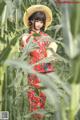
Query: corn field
<point>63,91</point>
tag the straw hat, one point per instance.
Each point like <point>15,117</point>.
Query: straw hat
<point>34,8</point>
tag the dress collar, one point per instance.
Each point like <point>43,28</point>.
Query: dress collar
<point>31,32</point>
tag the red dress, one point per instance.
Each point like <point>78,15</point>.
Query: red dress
<point>36,97</point>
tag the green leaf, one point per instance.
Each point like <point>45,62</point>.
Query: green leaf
<point>2,40</point>
<point>4,54</point>
<point>2,4</point>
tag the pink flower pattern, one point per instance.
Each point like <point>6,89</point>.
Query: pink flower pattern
<point>35,95</point>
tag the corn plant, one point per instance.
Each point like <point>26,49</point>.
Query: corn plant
<point>63,95</point>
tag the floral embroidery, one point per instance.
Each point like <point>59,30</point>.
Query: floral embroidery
<point>35,95</point>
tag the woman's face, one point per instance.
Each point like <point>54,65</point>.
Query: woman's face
<point>38,24</point>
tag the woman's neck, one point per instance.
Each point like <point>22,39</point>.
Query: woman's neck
<point>35,31</point>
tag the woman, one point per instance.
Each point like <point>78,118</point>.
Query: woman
<point>37,18</point>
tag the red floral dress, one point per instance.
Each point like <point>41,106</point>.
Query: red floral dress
<point>35,94</point>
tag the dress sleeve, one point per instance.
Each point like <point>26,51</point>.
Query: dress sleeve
<point>51,43</point>
<point>24,40</point>
<point>46,39</point>
<point>51,47</point>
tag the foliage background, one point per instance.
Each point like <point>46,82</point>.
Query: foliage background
<point>63,93</point>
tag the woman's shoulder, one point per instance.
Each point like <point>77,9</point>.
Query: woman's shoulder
<point>24,39</point>
<point>44,34</point>
<point>25,36</point>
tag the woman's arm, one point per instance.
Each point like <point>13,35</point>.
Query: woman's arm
<point>24,40</point>
<point>51,48</point>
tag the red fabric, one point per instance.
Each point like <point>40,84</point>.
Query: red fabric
<point>35,95</point>
<point>39,54</point>
<point>36,101</point>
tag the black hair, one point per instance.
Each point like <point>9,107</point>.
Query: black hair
<point>39,15</point>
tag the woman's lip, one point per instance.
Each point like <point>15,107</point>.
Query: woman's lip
<point>38,27</point>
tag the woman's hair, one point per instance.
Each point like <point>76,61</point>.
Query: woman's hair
<point>39,15</point>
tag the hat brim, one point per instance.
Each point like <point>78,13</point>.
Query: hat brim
<point>32,9</point>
